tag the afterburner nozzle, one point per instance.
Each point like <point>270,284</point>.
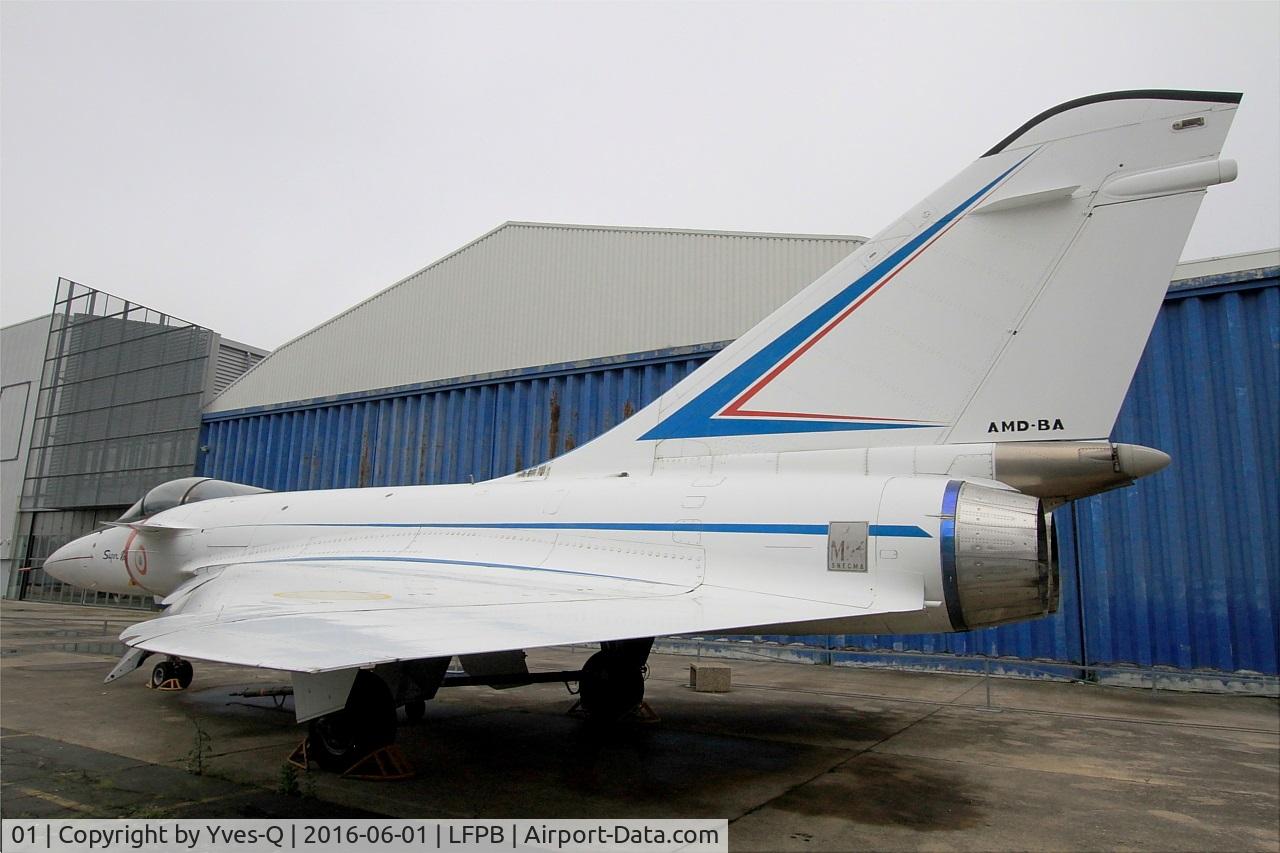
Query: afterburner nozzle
<point>999,563</point>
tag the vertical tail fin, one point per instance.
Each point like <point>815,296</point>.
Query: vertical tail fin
<point>1011,304</point>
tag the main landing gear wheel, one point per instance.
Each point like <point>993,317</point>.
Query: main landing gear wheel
<point>338,740</point>
<point>415,710</point>
<point>612,682</point>
<point>174,669</point>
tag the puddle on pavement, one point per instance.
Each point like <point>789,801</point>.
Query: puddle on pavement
<point>110,648</point>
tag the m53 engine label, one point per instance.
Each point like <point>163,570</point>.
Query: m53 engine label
<point>1037,425</point>
<point>847,546</point>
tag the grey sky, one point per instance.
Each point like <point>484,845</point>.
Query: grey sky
<point>257,168</point>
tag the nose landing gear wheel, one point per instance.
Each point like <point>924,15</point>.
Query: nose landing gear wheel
<point>172,674</point>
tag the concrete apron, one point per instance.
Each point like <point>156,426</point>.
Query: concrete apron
<point>796,757</point>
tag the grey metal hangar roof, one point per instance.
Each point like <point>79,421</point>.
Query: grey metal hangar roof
<point>529,294</point>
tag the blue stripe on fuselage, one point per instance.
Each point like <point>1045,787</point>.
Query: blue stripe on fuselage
<point>909,531</point>
<point>382,558</point>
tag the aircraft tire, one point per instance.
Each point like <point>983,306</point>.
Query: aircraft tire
<point>415,710</point>
<point>611,686</point>
<point>184,672</point>
<point>338,740</point>
<point>162,672</point>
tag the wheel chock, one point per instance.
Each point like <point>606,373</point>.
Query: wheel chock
<point>642,713</point>
<point>645,714</point>
<point>169,686</point>
<point>385,764</point>
<point>299,758</point>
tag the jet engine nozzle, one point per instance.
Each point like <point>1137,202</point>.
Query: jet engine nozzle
<point>999,556</point>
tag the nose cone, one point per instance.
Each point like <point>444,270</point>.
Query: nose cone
<point>72,563</point>
<point>1136,461</point>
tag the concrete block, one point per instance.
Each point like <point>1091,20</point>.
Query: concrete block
<point>705,678</point>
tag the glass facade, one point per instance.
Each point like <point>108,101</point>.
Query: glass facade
<point>119,405</point>
<point>118,412</point>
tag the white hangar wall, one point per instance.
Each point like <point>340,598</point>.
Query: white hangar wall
<point>535,294</point>
<point>21,361</point>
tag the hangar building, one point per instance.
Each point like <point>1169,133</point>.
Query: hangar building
<point>535,338</point>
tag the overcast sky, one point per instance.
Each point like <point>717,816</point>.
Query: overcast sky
<point>257,168</point>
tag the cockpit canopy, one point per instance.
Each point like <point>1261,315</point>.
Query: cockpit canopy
<point>185,491</point>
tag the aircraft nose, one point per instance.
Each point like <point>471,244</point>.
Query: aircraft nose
<point>71,551</point>
<point>70,563</point>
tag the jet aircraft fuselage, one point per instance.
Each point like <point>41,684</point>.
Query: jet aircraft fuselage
<point>880,454</point>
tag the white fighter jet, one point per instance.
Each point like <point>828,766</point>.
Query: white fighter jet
<point>879,455</point>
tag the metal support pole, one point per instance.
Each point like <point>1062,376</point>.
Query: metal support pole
<point>986,666</point>
<point>986,679</point>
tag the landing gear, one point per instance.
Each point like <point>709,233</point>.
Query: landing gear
<point>337,741</point>
<point>415,710</point>
<point>612,682</point>
<point>172,674</point>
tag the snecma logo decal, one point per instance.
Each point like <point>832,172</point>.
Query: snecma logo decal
<point>723,410</point>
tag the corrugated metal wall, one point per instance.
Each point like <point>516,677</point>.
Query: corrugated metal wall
<point>438,432</point>
<point>1180,571</point>
<point>1184,570</point>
